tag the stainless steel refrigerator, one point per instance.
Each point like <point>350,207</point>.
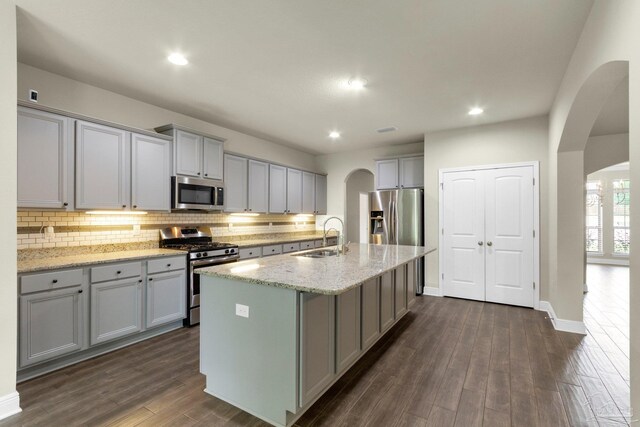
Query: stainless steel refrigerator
<point>397,218</point>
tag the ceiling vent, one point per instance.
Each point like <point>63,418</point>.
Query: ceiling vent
<point>385,130</point>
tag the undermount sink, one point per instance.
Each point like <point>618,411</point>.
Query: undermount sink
<point>323,253</point>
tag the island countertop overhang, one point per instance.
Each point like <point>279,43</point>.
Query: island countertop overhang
<point>332,275</point>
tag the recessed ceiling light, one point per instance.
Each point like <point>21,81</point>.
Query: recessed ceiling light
<point>177,58</point>
<point>476,111</point>
<point>334,135</point>
<point>357,84</point>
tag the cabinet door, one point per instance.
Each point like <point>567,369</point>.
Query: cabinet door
<point>321,194</point>
<point>308,193</point>
<point>44,146</point>
<point>188,152</point>
<point>212,152</point>
<point>277,189</point>
<point>386,301</point>
<point>258,187</point>
<point>412,172</point>
<point>386,174</point>
<point>150,173</point>
<point>235,180</point>
<point>166,298</point>
<point>51,324</point>
<point>317,338</point>
<point>294,191</point>
<point>116,309</point>
<point>347,328</point>
<point>412,276</point>
<point>401,290</point>
<point>102,167</point>
<point>370,312</point>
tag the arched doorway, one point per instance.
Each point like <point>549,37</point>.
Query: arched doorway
<point>357,183</point>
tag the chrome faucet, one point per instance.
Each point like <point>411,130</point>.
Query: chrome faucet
<point>340,233</point>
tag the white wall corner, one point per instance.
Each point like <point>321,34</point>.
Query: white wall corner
<point>9,405</point>
<point>572,326</point>
<point>585,288</point>
<point>432,291</point>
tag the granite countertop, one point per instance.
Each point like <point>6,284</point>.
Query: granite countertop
<point>330,276</point>
<point>248,243</point>
<point>81,260</point>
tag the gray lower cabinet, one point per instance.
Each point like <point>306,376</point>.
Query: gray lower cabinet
<point>347,328</point>
<point>51,324</point>
<point>166,298</point>
<point>370,312</point>
<point>116,309</point>
<point>401,290</point>
<point>317,340</point>
<point>411,283</point>
<point>386,301</point>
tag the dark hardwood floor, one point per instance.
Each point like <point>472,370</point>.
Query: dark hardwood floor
<point>448,363</point>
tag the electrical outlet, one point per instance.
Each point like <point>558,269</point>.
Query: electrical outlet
<point>33,95</point>
<point>270,225</point>
<point>49,232</point>
<point>230,226</point>
<point>242,310</point>
<point>136,229</point>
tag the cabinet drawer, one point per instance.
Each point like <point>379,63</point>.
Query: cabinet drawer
<point>160,265</point>
<point>317,243</point>
<point>48,281</point>
<point>290,247</point>
<point>116,271</point>
<point>247,253</point>
<point>271,250</point>
<point>307,245</point>
<point>332,241</point>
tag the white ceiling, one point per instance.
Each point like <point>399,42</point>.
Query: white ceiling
<point>275,68</point>
<point>614,117</point>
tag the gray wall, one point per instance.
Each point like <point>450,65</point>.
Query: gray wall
<point>604,151</point>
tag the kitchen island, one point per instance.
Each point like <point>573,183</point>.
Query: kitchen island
<point>277,332</point>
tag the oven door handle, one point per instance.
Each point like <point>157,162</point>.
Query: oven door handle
<point>211,263</point>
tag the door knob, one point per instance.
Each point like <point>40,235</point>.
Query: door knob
<point>489,244</point>
<point>480,243</point>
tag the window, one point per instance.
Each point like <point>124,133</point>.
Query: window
<point>593,220</point>
<point>621,217</point>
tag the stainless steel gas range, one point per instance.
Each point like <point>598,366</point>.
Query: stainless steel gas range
<point>202,252</point>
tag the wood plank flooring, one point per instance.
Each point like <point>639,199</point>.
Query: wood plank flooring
<point>449,362</point>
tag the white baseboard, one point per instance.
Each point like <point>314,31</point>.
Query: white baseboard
<point>608,261</point>
<point>573,326</point>
<point>432,291</point>
<point>9,405</point>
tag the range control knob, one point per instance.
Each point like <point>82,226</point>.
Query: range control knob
<point>232,251</point>
<point>198,255</point>
<point>226,251</point>
<point>205,254</point>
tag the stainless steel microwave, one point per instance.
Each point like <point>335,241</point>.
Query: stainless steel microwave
<point>196,194</point>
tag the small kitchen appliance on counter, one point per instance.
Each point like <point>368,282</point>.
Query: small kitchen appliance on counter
<point>202,252</point>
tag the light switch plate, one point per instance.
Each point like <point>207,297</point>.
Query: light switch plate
<point>242,310</point>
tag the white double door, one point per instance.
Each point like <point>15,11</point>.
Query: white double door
<point>488,235</point>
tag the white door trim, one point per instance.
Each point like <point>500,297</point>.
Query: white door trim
<point>536,218</point>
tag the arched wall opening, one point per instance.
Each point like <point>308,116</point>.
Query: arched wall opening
<point>357,182</point>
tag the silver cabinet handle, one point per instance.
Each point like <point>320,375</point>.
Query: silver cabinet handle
<point>489,244</point>
<point>480,243</point>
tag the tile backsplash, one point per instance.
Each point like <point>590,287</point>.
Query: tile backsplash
<point>82,229</point>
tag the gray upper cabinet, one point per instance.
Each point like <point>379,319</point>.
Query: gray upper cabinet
<point>45,160</point>
<point>150,173</point>
<point>258,197</point>
<point>195,154</point>
<point>277,189</point>
<point>51,324</point>
<point>166,298</point>
<point>404,172</point>
<point>411,172</point>
<point>188,153</point>
<point>235,178</point>
<point>321,194</point>
<point>387,174</point>
<point>116,309</point>
<point>102,167</point>
<point>294,191</point>
<point>308,193</point>
<point>212,152</point>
